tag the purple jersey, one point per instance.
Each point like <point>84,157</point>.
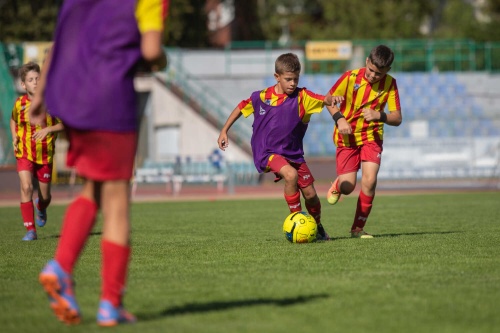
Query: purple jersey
<point>277,130</point>
<point>90,83</point>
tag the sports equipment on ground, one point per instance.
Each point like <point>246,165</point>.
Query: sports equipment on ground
<point>59,287</point>
<point>300,227</point>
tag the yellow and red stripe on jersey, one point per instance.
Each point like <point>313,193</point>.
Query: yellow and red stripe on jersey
<point>309,102</point>
<point>39,152</point>
<point>358,94</point>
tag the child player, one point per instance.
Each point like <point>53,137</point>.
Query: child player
<point>89,83</point>
<point>34,148</point>
<point>360,129</point>
<point>281,116</point>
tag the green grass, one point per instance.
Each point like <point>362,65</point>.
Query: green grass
<point>225,266</point>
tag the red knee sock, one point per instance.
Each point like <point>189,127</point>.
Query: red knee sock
<point>362,211</point>
<point>78,222</point>
<point>43,203</point>
<point>115,260</point>
<point>28,215</point>
<point>315,211</point>
<point>293,202</point>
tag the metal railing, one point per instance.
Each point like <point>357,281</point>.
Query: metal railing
<point>459,55</point>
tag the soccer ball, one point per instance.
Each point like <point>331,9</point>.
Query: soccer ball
<point>300,227</point>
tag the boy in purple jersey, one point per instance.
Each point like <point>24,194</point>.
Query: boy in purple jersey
<point>88,81</point>
<point>281,116</point>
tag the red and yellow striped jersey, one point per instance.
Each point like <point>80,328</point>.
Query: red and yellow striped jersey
<point>39,152</point>
<point>309,102</point>
<point>359,94</point>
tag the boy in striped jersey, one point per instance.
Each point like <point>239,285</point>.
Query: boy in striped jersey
<point>281,116</point>
<point>360,129</point>
<point>34,148</point>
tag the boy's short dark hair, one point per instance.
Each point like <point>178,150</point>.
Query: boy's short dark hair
<point>381,56</point>
<point>28,67</point>
<point>287,62</point>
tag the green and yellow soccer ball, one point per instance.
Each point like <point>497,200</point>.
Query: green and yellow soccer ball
<point>300,227</point>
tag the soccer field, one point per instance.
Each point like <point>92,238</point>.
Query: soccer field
<point>225,266</point>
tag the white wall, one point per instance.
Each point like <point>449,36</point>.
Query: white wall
<point>197,137</point>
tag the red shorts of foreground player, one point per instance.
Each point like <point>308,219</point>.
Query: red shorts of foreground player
<point>102,156</point>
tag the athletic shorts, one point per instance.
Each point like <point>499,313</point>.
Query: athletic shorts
<point>349,158</point>
<point>102,156</point>
<point>42,172</point>
<point>276,162</point>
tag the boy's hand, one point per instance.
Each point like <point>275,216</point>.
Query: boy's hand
<point>15,142</point>
<point>41,134</point>
<point>344,127</point>
<point>333,100</point>
<point>223,141</point>
<point>370,115</point>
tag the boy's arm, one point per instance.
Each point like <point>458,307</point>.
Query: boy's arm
<point>332,100</point>
<point>223,140</point>
<point>15,138</point>
<point>342,124</point>
<point>37,111</point>
<point>41,134</point>
<point>152,50</point>
<point>393,118</point>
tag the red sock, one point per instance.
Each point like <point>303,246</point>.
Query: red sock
<point>78,222</point>
<point>28,215</point>
<point>362,211</point>
<point>43,203</point>
<point>115,260</point>
<point>293,202</point>
<point>315,211</point>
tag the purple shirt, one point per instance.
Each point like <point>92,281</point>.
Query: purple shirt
<point>277,130</point>
<point>90,84</point>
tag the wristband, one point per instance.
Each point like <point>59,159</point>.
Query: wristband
<point>336,116</point>
<point>383,117</point>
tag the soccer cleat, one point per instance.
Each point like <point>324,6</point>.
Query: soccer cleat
<point>322,235</point>
<point>108,315</point>
<point>40,215</point>
<point>30,236</point>
<point>333,195</point>
<point>360,233</point>
<point>59,287</point>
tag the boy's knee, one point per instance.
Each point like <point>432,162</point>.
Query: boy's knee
<point>291,175</point>
<point>27,189</point>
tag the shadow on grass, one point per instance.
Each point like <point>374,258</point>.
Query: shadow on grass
<point>408,234</point>
<point>95,233</point>
<point>192,308</point>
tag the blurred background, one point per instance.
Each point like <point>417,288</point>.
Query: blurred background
<point>447,67</point>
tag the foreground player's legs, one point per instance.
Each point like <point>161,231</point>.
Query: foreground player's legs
<point>56,277</point>
<point>115,253</point>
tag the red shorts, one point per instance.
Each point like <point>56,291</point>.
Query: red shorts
<point>42,172</point>
<point>102,156</point>
<point>276,162</point>
<point>349,158</point>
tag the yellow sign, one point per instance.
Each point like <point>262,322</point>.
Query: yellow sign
<point>36,51</point>
<point>341,50</point>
